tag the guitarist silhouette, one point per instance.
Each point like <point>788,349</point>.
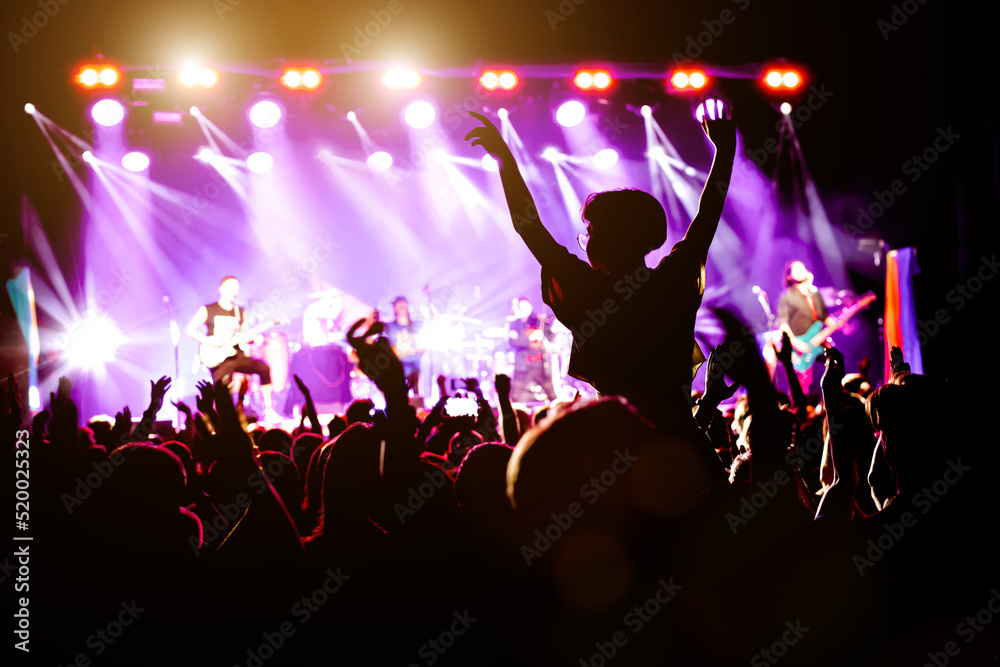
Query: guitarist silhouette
<point>801,307</point>
<point>225,324</point>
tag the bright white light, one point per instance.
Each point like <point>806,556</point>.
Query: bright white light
<point>646,110</point>
<point>135,161</point>
<point>204,154</point>
<point>29,108</point>
<point>571,114</point>
<point>584,80</point>
<point>489,164</point>
<point>351,116</point>
<point>208,78</point>
<point>189,75</point>
<point>699,112</point>
<point>773,79</point>
<point>265,114</point>
<point>419,114</point>
<point>87,156</point>
<point>89,77</point>
<point>401,79</point>
<point>108,112</point>
<point>697,80</point>
<point>602,80</point>
<point>786,108</point>
<point>605,159</point>
<point>490,80</point>
<point>260,163</point>
<point>550,154</point>
<point>507,80</point>
<point>379,162</point>
<point>195,111</point>
<point>656,152</point>
<point>108,76</point>
<point>310,78</point>
<point>691,171</point>
<point>92,342</point>
<point>790,79</point>
<point>502,113</point>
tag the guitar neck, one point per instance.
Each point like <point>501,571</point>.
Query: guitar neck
<point>851,312</point>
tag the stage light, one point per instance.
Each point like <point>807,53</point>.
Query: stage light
<point>786,108</point>
<point>492,79</point>
<point>783,78</point>
<point>656,152</point>
<point>605,159</point>
<point>208,78</point>
<point>379,162</point>
<point>105,76</point>
<point>265,114</point>
<point>292,78</point>
<point>680,80</point>
<point>699,111</point>
<point>571,113</point>
<point>551,154</point>
<point>419,114</point>
<point>592,79</point>
<point>260,162</point>
<point>29,108</point>
<point>92,342</point>
<point>195,111</point>
<point>107,112</point>
<point>135,161</point>
<point>87,157</point>
<point>351,116</point>
<point>204,154</point>
<point>109,76</point>
<point>502,113</point>
<point>311,79</point>
<point>401,79</point>
<point>691,171</point>
<point>685,80</point>
<point>88,77</point>
<point>295,78</point>
<point>489,164</point>
<point>646,111</point>
<point>698,80</point>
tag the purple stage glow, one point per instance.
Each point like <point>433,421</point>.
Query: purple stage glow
<point>605,159</point>
<point>107,112</point>
<point>260,162</point>
<point>265,114</point>
<point>571,113</point>
<point>379,162</point>
<point>419,114</point>
<point>135,161</point>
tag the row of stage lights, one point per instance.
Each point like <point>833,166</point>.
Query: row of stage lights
<point>310,78</point>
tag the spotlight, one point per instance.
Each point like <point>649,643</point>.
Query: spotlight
<point>419,114</point>
<point>135,161</point>
<point>307,78</point>
<point>699,111</point>
<point>786,108</point>
<point>87,157</point>
<point>684,80</point>
<point>311,79</point>
<point>502,113</point>
<point>379,162</point>
<point>773,79</point>
<point>260,162</point>
<point>605,159</point>
<point>784,78</point>
<point>489,164</point>
<point>691,171</point>
<point>790,79</point>
<point>92,342</point>
<point>204,154</point>
<point>107,112</point>
<point>492,79</point>
<point>291,78</point>
<point>265,114</point>
<point>698,80</point>
<point>646,111</point>
<point>680,80</point>
<point>401,79</point>
<point>29,108</point>
<point>193,75</point>
<point>208,78</point>
<point>656,152</point>
<point>551,154</point>
<point>571,113</point>
<point>592,79</point>
<point>195,111</point>
<point>351,116</point>
<point>189,76</point>
<point>104,76</point>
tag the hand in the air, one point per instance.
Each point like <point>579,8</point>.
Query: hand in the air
<point>488,136</point>
<point>502,384</point>
<point>716,389</point>
<point>376,359</point>
<point>718,124</point>
<point>206,397</point>
<point>833,377</point>
<point>784,353</point>
<point>157,391</point>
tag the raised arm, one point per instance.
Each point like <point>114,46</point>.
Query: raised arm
<point>523,212</point>
<point>722,133</point>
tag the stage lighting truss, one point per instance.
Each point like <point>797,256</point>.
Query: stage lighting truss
<point>97,76</point>
<point>193,75</point>
<point>686,80</point>
<point>783,79</point>
<point>593,79</point>
<point>493,79</point>
<point>301,78</point>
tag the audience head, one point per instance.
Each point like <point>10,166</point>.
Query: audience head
<point>624,225</point>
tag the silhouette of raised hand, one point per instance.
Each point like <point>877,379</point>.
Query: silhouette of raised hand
<point>488,136</point>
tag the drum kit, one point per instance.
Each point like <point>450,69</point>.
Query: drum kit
<point>456,346</point>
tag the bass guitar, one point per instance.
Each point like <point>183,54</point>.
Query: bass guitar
<point>212,355</point>
<point>817,334</point>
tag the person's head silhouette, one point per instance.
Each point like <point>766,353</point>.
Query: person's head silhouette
<point>623,225</point>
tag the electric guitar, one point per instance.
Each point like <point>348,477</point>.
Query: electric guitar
<point>212,355</point>
<point>817,334</point>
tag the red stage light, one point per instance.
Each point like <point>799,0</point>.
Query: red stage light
<point>783,78</point>
<point>97,76</point>
<point>301,78</point>
<point>492,79</point>
<point>688,79</point>
<point>588,79</point>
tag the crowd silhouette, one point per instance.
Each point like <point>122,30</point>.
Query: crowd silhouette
<point>647,526</point>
